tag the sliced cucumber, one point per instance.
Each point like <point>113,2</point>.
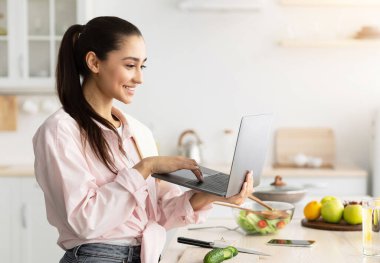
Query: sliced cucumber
<point>233,250</point>
<point>218,255</point>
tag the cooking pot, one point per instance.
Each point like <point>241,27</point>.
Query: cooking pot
<point>279,191</point>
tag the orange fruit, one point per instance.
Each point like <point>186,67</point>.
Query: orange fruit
<point>312,211</point>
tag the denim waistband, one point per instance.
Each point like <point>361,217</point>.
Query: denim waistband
<point>107,250</point>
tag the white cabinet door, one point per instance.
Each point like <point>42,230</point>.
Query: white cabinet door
<point>30,36</point>
<point>8,202</point>
<point>38,238</point>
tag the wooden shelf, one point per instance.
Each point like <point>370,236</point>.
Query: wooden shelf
<point>298,43</point>
<point>355,3</point>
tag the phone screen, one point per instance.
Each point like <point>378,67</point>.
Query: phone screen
<point>291,242</point>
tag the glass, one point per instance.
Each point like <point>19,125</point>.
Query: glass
<point>65,15</point>
<point>3,39</point>
<point>38,17</point>
<point>3,18</point>
<point>39,59</point>
<point>3,59</point>
<point>371,227</point>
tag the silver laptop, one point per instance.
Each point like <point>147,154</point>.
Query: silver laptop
<point>250,151</point>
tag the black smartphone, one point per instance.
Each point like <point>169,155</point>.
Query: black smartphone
<point>291,242</point>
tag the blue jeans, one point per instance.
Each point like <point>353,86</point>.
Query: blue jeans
<point>102,253</point>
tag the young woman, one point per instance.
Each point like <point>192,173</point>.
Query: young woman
<point>93,161</point>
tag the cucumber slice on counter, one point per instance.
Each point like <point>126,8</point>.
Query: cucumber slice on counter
<point>218,255</point>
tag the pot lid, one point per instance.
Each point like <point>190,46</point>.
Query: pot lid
<point>280,187</point>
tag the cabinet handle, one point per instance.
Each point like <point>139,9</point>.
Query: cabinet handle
<point>24,215</point>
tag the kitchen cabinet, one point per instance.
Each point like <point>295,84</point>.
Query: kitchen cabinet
<point>7,232</point>
<point>30,35</point>
<point>25,234</point>
<point>341,180</point>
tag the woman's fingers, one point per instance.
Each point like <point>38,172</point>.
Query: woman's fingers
<point>198,174</point>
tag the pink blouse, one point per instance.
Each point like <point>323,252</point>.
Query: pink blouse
<point>87,203</point>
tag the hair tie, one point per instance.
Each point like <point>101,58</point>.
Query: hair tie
<point>81,31</point>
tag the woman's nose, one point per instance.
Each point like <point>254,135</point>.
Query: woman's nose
<point>138,78</point>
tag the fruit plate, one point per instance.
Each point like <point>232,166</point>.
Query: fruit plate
<point>320,224</point>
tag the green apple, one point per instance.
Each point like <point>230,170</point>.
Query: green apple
<point>332,211</point>
<point>352,214</point>
<point>328,198</point>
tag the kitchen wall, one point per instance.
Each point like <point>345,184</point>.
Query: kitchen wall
<point>206,69</point>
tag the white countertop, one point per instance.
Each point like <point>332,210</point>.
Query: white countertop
<point>19,170</point>
<point>338,170</point>
<point>330,246</point>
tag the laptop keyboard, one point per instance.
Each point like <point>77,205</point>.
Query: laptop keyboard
<point>215,183</point>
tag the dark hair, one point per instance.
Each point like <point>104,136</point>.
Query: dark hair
<point>100,35</point>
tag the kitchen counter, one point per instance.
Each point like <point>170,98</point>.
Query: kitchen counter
<point>338,171</point>
<point>19,170</point>
<point>330,246</point>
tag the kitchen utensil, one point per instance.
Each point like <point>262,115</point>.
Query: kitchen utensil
<point>274,214</point>
<point>320,224</point>
<point>293,144</point>
<point>257,200</point>
<point>279,191</point>
<point>8,113</point>
<point>234,206</point>
<point>206,244</point>
<point>208,227</point>
<point>191,148</point>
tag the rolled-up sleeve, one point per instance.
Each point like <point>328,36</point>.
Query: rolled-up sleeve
<point>175,208</point>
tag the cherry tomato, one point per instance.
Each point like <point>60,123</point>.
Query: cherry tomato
<point>262,224</point>
<point>280,224</point>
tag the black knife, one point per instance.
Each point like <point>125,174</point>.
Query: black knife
<point>205,244</point>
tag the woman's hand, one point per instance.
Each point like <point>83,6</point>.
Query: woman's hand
<point>200,199</point>
<point>167,164</point>
<point>246,190</point>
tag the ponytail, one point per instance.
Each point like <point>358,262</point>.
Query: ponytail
<point>100,35</point>
<point>68,79</point>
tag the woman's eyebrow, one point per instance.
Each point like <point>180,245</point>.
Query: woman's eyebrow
<point>134,58</point>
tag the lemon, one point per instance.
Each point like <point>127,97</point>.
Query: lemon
<point>312,210</point>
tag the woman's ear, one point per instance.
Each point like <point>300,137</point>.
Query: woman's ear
<point>92,62</point>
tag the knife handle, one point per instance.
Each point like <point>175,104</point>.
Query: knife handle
<point>194,242</point>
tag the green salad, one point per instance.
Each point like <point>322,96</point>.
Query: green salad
<point>255,224</point>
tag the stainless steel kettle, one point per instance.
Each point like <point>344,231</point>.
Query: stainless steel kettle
<point>191,148</point>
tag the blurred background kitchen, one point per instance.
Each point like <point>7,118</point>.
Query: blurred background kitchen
<point>313,63</point>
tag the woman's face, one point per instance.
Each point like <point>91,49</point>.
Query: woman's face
<point>121,72</point>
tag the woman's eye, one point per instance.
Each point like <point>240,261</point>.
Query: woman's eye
<point>143,67</point>
<point>130,66</point>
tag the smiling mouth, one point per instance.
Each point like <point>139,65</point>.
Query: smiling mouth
<point>132,89</point>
